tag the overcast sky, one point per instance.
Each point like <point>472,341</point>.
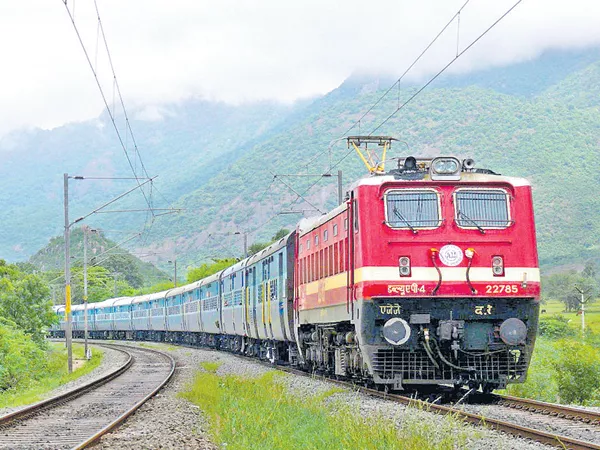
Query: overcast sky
<point>236,51</point>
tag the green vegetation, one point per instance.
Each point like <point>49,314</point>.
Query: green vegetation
<point>565,367</point>
<point>261,413</point>
<point>112,271</point>
<point>208,269</point>
<point>37,372</point>
<point>24,301</point>
<point>29,367</point>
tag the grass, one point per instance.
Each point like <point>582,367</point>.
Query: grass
<point>259,413</point>
<point>57,375</point>
<point>592,314</point>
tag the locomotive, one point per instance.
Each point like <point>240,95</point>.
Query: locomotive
<point>425,276</point>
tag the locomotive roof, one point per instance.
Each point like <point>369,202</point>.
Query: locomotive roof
<point>466,177</point>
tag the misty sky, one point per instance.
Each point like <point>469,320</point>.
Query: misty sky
<point>250,50</point>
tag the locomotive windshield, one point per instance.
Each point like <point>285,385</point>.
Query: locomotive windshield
<point>482,208</point>
<point>412,209</point>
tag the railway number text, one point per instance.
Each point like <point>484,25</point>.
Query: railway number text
<point>501,289</point>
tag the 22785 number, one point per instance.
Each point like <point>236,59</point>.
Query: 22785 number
<point>501,289</point>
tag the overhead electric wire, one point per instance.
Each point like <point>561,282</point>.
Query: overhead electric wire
<point>457,14</point>
<point>102,94</point>
<point>458,55</point>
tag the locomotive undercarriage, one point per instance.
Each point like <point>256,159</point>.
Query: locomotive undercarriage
<point>332,349</point>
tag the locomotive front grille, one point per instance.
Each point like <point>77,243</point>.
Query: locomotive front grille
<point>417,366</point>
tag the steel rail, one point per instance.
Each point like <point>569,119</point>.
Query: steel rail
<point>23,416</point>
<point>553,409</point>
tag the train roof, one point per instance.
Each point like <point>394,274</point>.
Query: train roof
<point>274,247</point>
<point>310,223</point>
<point>466,177</point>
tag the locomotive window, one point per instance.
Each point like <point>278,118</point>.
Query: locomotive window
<point>482,208</point>
<point>411,209</point>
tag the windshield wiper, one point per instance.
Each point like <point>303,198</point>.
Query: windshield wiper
<point>401,217</point>
<point>460,213</point>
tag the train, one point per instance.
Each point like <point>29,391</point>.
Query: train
<point>426,276</point>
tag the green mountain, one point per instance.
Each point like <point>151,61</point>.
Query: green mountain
<point>108,263</point>
<point>538,119</point>
<point>549,136</point>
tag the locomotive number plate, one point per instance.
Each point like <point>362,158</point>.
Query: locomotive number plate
<point>502,289</point>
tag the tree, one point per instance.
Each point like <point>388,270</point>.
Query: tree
<point>207,269</point>
<point>257,247</point>
<point>25,300</point>
<point>561,286</point>
<point>101,284</point>
<point>283,232</point>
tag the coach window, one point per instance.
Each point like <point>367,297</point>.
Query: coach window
<point>308,244</point>
<point>346,223</point>
<point>325,235</point>
<point>481,208</point>
<point>335,229</point>
<point>412,209</point>
<point>316,240</point>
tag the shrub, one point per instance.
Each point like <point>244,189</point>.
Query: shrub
<point>555,327</point>
<point>577,372</point>
<point>21,359</point>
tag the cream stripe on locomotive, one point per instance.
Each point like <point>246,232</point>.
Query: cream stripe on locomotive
<point>476,275</point>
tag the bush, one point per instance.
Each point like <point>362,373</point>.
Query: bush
<point>555,327</point>
<point>21,360</point>
<point>577,372</point>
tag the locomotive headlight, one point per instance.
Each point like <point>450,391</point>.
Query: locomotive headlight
<point>498,266</point>
<point>404,266</point>
<point>396,331</point>
<point>513,331</point>
<point>445,169</point>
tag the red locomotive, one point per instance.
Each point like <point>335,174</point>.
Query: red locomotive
<point>427,275</point>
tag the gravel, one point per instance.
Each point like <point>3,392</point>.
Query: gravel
<point>170,422</point>
<point>111,360</point>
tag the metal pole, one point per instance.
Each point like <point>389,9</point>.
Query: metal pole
<point>115,278</point>
<point>68,335</point>
<point>245,245</point>
<point>175,277</point>
<point>582,314</point>
<point>85,292</point>
<point>340,196</point>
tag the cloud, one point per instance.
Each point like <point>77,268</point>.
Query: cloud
<point>242,51</point>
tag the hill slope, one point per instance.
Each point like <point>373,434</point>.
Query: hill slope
<point>538,119</point>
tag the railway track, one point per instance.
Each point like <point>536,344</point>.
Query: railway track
<point>551,409</point>
<point>80,417</point>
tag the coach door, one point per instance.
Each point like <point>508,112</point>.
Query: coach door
<point>350,224</point>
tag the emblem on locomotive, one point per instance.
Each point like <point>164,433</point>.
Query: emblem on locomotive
<point>451,255</point>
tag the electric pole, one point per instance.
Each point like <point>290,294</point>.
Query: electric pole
<point>68,332</point>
